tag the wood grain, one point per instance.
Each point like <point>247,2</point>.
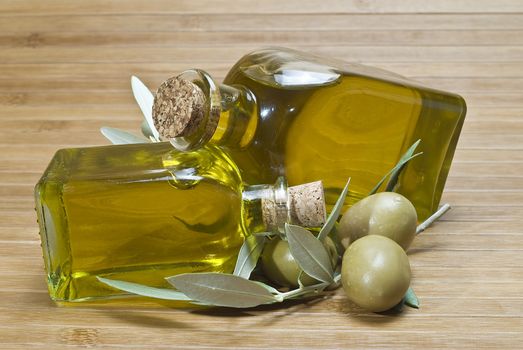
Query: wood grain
<point>64,72</point>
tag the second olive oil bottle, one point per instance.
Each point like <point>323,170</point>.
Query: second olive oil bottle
<point>285,112</point>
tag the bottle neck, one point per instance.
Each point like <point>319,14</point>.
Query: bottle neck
<point>230,115</point>
<point>266,207</point>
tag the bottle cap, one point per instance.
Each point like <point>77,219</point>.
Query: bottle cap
<point>307,204</point>
<point>179,108</point>
<point>304,206</point>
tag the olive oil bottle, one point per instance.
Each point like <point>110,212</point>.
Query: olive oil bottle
<point>144,212</point>
<point>281,111</point>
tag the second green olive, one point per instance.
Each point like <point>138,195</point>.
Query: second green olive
<point>386,214</point>
<point>375,273</point>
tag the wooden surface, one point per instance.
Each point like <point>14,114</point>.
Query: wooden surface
<point>64,72</point>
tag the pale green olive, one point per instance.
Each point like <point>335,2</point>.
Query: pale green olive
<point>280,267</point>
<point>375,273</point>
<point>387,214</point>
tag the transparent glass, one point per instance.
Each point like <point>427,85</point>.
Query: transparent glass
<point>285,112</point>
<point>140,213</point>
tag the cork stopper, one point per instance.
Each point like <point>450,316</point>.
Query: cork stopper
<point>179,108</point>
<point>305,206</point>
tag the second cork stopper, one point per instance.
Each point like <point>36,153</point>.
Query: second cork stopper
<point>305,206</point>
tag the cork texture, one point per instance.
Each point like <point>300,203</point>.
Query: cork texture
<point>305,207</point>
<point>307,204</point>
<point>178,109</point>
<point>269,213</point>
<point>273,214</point>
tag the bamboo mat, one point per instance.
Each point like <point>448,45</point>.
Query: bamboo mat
<point>64,72</point>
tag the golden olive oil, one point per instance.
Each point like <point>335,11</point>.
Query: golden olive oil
<point>321,119</point>
<point>138,213</point>
<point>143,212</point>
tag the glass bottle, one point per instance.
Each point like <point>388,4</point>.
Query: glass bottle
<point>281,111</point>
<point>144,212</point>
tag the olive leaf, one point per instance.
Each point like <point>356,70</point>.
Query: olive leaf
<point>222,289</point>
<point>147,132</point>
<point>145,100</point>
<point>336,239</point>
<point>135,288</point>
<point>395,172</point>
<point>266,234</point>
<point>121,137</point>
<point>393,180</point>
<point>335,213</point>
<point>300,281</point>
<point>411,299</point>
<point>248,256</point>
<point>309,253</point>
<point>270,289</point>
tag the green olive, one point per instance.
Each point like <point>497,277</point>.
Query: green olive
<point>387,214</point>
<point>280,267</point>
<point>375,273</point>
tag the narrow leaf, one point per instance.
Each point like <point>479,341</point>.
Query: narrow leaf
<point>135,288</point>
<point>145,100</point>
<point>146,131</point>
<point>337,241</point>
<point>248,256</point>
<point>335,213</point>
<point>300,281</point>
<point>337,277</point>
<point>120,137</point>
<point>270,289</point>
<point>221,289</point>
<point>411,299</point>
<point>395,172</point>
<point>265,234</point>
<point>309,253</point>
<point>393,180</point>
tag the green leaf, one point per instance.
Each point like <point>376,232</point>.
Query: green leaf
<point>248,256</point>
<point>336,239</point>
<point>121,137</point>
<point>147,132</point>
<point>337,277</point>
<point>395,172</point>
<point>221,289</point>
<point>411,299</point>
<point>270,289</point>
<point>135,288</point>
<point>266,234</point>
<point>145,100</point>
<point>335,213</point>
<point>300,281</point>
<point>309,253</point>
